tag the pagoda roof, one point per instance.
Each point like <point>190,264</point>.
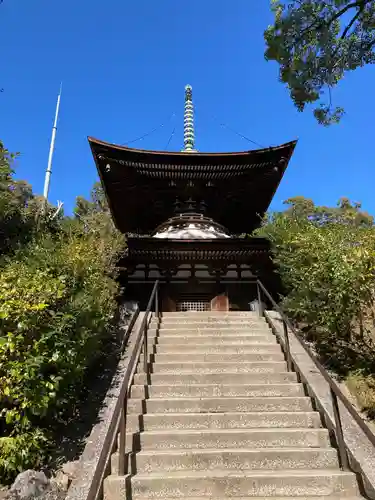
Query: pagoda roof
<point>231,250</point>
<point>142,186</point>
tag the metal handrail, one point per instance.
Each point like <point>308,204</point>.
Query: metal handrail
<point>335,391</point>
<point>118,420</point>
<point>141,342</point>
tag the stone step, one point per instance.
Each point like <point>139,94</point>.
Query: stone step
<point>213,315</point>
<point>212,330</point>
<point>250,420</point>
<point>225,340</point>
<point>229,438</point>
<point>219,357</point>
<point>229,367</point>
<point>219,405</point>
<point>228,484</point>
<point>233,459</point>
<point>211,321</point>
<point>304,497</point>
<point>215,390</point>
<point>230,327</point>
<point>210,314</point>
<point>216,349</point>
<point>216,378</point>
<point>203,325</point>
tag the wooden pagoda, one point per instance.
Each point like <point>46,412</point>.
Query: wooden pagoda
<point>188,219</point>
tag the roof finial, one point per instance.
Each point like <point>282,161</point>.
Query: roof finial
<point>189,138</point>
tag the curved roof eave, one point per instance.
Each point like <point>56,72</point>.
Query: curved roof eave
<point>124,149</point>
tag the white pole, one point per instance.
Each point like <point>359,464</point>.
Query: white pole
<point>51,149</point>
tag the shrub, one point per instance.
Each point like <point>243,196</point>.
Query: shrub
<point>57,305</point>
<point>326,259</point>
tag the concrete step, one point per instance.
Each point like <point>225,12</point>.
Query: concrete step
<point>228,484</point>
<point>219,405</point>
<point>234,459</point>
<point>211,319</point>
<point>231,438</point>
<point>210,314</point>
<point>230,367</point>
<point>229,420</point>
<point>191,329</point>
<point>304,497</point>
<point>214,340</point>
<point>216,349</point>
<point>231,326</point>
<point>219,357</point>
<point>215,390</point>
<point>250,321</point>
<point>216,378</point>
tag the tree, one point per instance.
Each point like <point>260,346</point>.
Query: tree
<point>315,42</point>
<point>345,212</point>
<point>19,208</point>
<point>58,304</point>
<point>97,202</point>
<point>326,260</point>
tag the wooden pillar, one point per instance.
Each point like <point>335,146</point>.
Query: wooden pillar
<point>168,304</point>
<point>220,303</point>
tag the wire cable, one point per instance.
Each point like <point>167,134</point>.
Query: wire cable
<point>148,133</point>
<point>222,124</point>
<point>170,138</point>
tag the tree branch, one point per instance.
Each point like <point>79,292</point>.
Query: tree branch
<point>345,32</point>
<point>359,3</point>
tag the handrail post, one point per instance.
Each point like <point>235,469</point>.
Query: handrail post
<point>287,347</point>
<point>260,308</point>
<point>122,442</point>
<point>145,349</point>
<point>157,303</point>
<point>344,462</point>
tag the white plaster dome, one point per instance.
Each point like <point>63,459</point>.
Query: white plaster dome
<point>190,226</point>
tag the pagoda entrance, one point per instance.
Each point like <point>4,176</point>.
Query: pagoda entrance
<point>197,275</point>
<point>193,296</point>
<point>191,305</point>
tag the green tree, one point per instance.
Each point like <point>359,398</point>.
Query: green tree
<point>96,204</point>
<point>345,212</point>
<point>315,42</point>
<point>58,303</point>
<point>326,259</point>
<point>15,225</point>
<point>20,209</point>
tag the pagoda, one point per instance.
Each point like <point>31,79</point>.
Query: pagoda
<point>188,218</point>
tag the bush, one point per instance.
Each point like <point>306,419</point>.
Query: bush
<point>326,258</point>
<point>328,271</point>
<point>20,209</point>
<point>57,308</point>
<point>57,304</point>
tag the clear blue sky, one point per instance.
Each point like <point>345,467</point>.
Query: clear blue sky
<point>124,65</point>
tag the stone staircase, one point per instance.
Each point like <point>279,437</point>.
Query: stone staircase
<point>222,418</point>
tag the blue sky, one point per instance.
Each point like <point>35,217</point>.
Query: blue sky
<point>124,65</point>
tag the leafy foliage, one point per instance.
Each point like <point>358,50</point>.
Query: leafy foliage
<point>19,208</point>
<point>344,213</point>
<point>326,258</point>
<point>57,309</point>
<point>315,42</point>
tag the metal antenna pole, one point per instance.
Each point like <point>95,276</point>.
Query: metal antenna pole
<point>51,150</point>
